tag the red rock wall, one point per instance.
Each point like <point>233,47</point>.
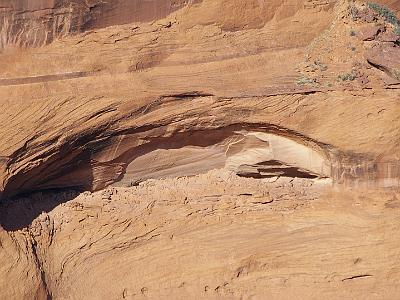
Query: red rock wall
<point>27,23</point>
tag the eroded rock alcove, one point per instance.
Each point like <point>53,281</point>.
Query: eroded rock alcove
<point>246,153</point>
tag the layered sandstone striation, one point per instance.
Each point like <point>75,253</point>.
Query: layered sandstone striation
<point>107,100</point>
<point>28,23</point>
<point>211,236</point>
<point>203,149</point>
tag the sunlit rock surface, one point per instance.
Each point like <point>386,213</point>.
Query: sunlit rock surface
<point>211,149</point>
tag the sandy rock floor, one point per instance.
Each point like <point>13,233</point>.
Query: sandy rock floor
<point>211,236</point>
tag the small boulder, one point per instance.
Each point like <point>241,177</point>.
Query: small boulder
<point>388,36</point>
<point>385,57</point>
<point>369,32</point>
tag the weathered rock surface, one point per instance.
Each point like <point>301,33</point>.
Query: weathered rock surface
<point>137,90</point>
<point>274,108</point>
<point>212,236</point>
<point>30,23</point>
<point>387,59</point>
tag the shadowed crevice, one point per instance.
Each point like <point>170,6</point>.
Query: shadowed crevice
<point>273,168</point>
<point>18,213</point>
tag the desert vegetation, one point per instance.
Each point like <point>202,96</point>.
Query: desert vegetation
<point>387,14</point>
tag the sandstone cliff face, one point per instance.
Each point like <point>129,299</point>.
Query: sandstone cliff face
<point>238,238</point>
<point>127,83</point>
<point>30,23</point>
<point>219,136</point>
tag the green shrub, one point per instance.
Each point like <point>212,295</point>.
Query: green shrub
<point>347,77</point>
<point>320,65</point>
<point>305,80</point>
<point>385,12</point>
<point>354,12</point>
<point>397,30</point>
<point>396,74</point>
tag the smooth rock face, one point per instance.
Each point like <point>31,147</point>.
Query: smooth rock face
<point>253,154</point>
<point>214,149</point>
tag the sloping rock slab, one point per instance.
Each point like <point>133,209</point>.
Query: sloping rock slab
<point>385,58</point>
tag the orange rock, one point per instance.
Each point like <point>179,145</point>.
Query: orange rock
<point>240,149</point>
<point>369,32</point>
